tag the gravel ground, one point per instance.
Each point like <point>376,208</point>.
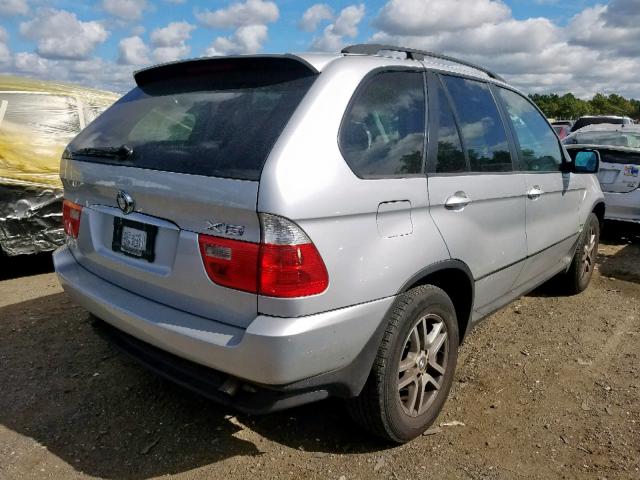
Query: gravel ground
<point>549,387</point>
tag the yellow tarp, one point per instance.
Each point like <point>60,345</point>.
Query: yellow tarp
<point>37,121</point>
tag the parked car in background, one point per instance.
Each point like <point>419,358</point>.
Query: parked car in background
<point>619,147</point>
<point>37,120</point>
<point>261,228</point>
<point>561,130</point>
<point>597,119</point>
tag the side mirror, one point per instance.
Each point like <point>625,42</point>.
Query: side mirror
<point>585,160</point>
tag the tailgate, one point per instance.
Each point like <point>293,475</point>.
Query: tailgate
<point>619,171</point>
<point>175,276</point>
<point>184,152</point>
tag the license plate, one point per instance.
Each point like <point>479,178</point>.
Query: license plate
<point>134,239</point>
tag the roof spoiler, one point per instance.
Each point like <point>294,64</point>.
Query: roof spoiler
<point>293,64</point>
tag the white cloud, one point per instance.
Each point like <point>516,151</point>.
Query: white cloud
<point>170,42</point>
<point>133,51</point>
<point>595,52</point>
<point>9,8</point>
<point>251,12</point>
<point>346,25</point>
<point>248,39</point>
<point>314,15</point>
<point>5,53</point>
<point>417,17</point>
<point>605,27</point>
<point>31,63</point>
<point>59,34</point>
<point>127,10</point>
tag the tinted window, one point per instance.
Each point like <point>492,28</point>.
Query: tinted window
<point>539,148</point>
<point>383,132</point>
<point>483,133</point>
<point>217,124</point>
<point>450,155</point>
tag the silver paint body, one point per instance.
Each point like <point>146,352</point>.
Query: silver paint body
<point>373,235</point>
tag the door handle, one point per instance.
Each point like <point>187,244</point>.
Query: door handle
<point>457,201</point>
<point>535,192</point>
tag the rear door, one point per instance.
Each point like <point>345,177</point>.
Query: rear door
<point>476,198</point>
<point>180,155</point>
<point>553,197</point>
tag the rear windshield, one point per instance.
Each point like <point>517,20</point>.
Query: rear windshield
<point>625,158</point>
<point>615,138</point>
<point>220,124</point>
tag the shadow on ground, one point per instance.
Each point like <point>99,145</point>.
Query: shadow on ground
<point>620,250</point>
<point>25,265</point>
<point>100,412</point>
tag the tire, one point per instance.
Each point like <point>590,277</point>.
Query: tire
<point>580,271</point>
<point>385,407</point>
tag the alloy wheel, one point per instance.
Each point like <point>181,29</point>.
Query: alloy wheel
<point>423,364</point>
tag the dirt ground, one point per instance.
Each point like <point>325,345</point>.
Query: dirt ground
<point>549,387</point>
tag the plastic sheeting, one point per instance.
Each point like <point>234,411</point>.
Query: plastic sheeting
<point>37,121</point>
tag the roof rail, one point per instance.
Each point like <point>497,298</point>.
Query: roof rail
<point>413,54</point>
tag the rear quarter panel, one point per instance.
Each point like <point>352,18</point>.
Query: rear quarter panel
<point>307,180</point>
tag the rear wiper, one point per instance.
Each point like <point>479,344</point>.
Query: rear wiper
<point>123,152</point>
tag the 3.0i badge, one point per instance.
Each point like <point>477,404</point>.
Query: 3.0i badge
<point>126,203</point>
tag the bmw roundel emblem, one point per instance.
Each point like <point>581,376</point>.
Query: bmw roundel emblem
<point>126,203</point>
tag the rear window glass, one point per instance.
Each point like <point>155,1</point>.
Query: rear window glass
<point>220,124</point>
<point>383,132</point>
<point>624,158</point>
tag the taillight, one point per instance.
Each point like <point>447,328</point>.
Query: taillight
<point>290,265</point>
<point>71,213</point>
<point>285,264</point>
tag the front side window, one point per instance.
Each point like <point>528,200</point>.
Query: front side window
<point>482,129</point>
<point>539,148</point>
<point>383,131</point>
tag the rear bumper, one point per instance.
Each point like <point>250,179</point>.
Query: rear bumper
<point>331,351</point>
<point>624,207</point>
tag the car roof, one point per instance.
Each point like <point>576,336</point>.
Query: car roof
<point>321,60</point>
<point>604,116</point>
<point>609,127</point>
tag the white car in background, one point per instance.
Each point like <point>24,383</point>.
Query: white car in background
<point>619,175</point>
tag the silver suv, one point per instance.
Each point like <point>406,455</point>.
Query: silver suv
<point>274,230</point>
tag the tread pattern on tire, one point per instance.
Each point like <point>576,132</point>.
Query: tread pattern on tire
<point>366,408</point>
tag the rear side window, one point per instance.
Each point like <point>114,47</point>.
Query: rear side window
<point>219,123</point>
<point>483,132</point>
<point>383,131</point>
<point>450,158</point>
<point>539,146</point>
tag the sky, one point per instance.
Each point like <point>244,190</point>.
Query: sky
<point>580,46</point>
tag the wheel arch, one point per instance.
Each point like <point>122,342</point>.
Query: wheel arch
<point>455,278</point>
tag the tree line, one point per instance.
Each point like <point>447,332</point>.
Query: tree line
<point>568,106</point>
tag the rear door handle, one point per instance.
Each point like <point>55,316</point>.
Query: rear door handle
<point>535,192</point>
<point>457,201</point>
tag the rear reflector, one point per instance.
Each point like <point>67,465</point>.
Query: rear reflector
<point>71,213</point>
<point>286,264</point>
